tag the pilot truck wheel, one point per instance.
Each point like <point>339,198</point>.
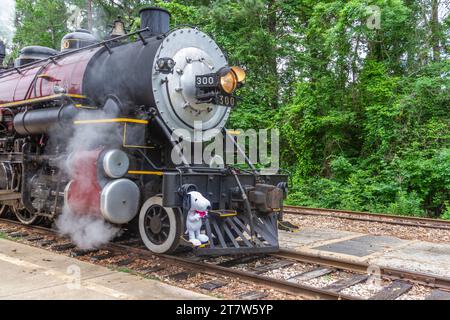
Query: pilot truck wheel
<point>160,228</point>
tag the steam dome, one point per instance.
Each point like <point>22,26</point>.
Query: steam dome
<point>79,39</point>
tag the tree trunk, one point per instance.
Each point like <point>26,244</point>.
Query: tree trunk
<point>434,26</point>
<point>273,66</point>
<point>89,15</point>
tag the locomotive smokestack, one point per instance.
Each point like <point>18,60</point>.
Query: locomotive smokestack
<point>156,19</point>
<point>2,53</point>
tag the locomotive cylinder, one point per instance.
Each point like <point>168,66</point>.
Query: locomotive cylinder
<point>116,201</point>
<point>41,121</point>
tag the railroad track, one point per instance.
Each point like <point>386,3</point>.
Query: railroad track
<point>16,230</point>
<point>370,217</point>
<point>241,268</point>
<point>385,272</point>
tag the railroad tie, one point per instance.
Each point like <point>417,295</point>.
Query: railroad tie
<point>124,262</point>
<point>81,252</point>
<point>309,275</point>
<point>34,238</point>
<point>44,243</point>
<point>148,270</point>
<point>102,256</point>
<point>18,234</point>
<point>181,276</point>
<point>273,266</point>
<point>252,295</point>
<point>63,246</point>
<point>212,285</point>
<point>392,291</point>
<point>241,260</point>
<point>345,283</point>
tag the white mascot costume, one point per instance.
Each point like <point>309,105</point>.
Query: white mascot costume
<point>197,206</point>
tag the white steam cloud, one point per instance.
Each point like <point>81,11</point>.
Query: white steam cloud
<point>85,230</point>
<point>7,13</point>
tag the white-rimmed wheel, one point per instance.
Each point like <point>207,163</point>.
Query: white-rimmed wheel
<point>160,227</point>
<point>3,209</point>
<point>25,216</point>
<point>6,177</point>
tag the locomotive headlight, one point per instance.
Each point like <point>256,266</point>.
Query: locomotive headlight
<point>240,74</point>
<point>228,80</point>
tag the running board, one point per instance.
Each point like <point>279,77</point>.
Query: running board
<point>230,234</point>
<point>9,195</point>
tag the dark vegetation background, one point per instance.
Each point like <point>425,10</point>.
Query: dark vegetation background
<point>363,112</point>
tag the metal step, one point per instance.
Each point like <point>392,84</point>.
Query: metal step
<point>232,234</point>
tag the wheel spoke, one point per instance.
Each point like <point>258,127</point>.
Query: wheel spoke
<point>157,225</point>
<point>25,216</point>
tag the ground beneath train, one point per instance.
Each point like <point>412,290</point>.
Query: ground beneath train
<point>382,251</point>
<point>33,273</point>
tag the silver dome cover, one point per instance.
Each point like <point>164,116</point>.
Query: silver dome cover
<point>119,201</point>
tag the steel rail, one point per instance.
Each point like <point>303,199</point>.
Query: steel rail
<point>370,217</point>
<point>71,52</point>
<point>213,269</point>
<point>359,267</point>
<point>301,290</point>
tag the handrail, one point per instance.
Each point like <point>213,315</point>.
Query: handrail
<point>64,54</point>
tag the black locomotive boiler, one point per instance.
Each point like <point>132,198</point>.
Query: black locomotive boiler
<point>90,129</point>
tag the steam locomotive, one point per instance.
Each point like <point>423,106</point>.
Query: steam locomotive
<point>90,129</point>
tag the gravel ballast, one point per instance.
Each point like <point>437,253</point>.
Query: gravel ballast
<point>373,228</point>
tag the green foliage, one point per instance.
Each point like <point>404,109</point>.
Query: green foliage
<point>40,22</point>
<point>446,213</point>
<point>369,132</point>
<point>363,112</point>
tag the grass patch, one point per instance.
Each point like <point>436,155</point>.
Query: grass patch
<point>136,273</point>
<point>126,270</point>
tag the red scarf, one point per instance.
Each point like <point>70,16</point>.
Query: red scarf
<point>201,213</point>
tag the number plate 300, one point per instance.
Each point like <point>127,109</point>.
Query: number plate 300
<point>226,100</point>
<point>206,81</point>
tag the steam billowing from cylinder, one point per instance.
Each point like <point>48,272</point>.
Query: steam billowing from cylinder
<point>87,230</point>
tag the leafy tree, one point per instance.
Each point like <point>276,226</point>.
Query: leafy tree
<point>363,109</point>
<point>40,22</point>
